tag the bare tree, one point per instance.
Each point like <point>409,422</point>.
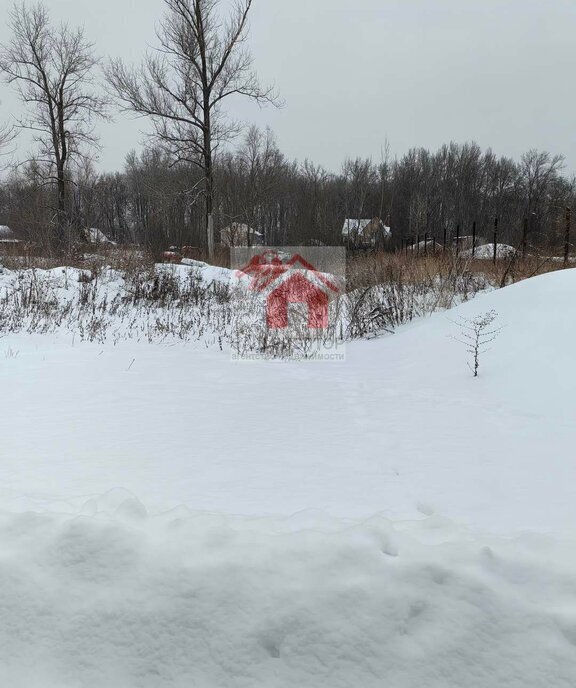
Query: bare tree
<point>539,172</point>
<point>200,63</point>
<point>53,68</point>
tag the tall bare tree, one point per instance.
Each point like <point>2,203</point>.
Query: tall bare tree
<point>53,67</point>
<point>201,61</point>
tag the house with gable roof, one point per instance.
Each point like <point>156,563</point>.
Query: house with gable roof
<point>365,233</point>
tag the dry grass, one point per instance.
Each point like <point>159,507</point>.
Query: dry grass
<point>401,267</point>
<point>384,290</point>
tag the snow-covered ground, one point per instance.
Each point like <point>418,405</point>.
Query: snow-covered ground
<point>486,251</point>
<point>172,518</point>
<point>401,422</point>
<point>209,601</point>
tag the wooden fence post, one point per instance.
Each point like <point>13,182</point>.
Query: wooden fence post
<point>495,239</point>
<point>567,236</point>
<point>524,238</point>
<point>473,239</point>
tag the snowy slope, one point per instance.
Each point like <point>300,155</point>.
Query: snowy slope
<point>400,423</point>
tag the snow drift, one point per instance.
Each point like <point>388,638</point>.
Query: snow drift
<point>119,600</point>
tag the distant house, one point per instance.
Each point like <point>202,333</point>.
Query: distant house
<point>7,237</point>
<point>365,232</point>
<point>240,234</point>
<point>92,235</point>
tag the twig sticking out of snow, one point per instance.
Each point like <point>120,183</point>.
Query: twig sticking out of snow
<point>476,335</point>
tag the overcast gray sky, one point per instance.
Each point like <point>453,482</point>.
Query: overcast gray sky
<point>354,73</point>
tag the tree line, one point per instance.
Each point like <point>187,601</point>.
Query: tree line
<point>202,171</point>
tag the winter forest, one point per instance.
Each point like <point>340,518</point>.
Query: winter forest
<point>200,162</point>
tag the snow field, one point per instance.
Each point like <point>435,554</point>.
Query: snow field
<point>399,523</point>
